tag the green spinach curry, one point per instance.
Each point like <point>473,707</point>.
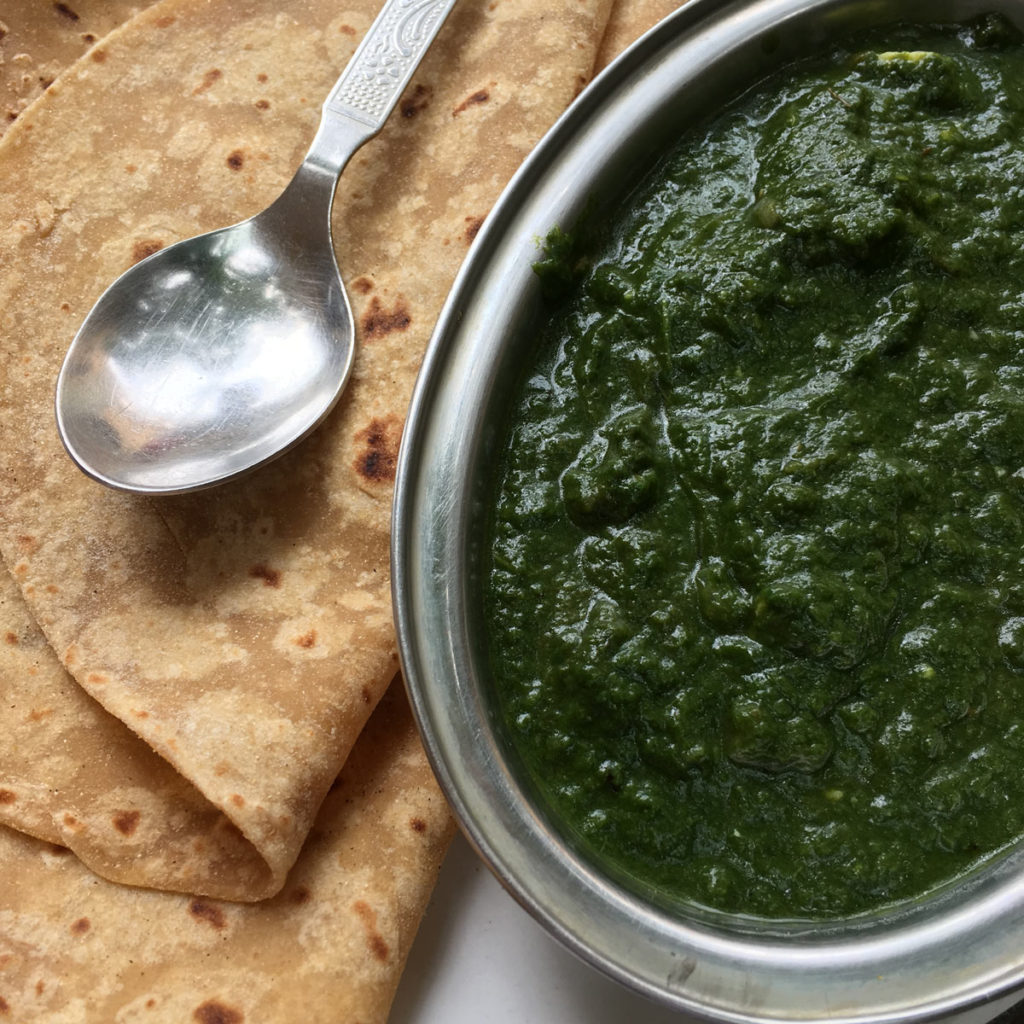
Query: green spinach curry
<point>756,582</point>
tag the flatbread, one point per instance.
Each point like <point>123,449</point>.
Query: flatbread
<point>245,633</point>
<point>328,949</point>
<point>38,38</point>
<point>629,20</point>
<point>73,774</point>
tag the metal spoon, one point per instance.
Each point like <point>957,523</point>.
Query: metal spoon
<point>220,352</point>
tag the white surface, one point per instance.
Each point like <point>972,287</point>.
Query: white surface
<point>479,958</point>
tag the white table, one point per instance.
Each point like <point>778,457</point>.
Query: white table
<point>479,958</point>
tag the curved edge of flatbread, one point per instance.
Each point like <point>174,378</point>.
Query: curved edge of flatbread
<point>74,775</point>
<point>329,947</point>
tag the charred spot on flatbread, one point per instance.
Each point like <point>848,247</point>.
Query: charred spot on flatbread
<point>126,822</point>
<point>214,1012</point>
<point>473,226</point>
<point>270,577</point>
<point>378,321</point>
<point>374,940</point>
<point>472,100</point>
<point>379,443</point>
<point>209,78</point>
<point>417,100</point>
<point>144,248</point>
<point>65,12</point>
<point>208,913</point>
<point>235,159</point>
<point>81,926</point>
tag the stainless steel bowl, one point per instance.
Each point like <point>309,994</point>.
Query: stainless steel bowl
<point>959,948</point>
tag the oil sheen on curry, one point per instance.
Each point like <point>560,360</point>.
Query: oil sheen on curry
<point>755,597</point>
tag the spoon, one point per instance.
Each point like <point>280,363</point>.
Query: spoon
<point>216,354</point>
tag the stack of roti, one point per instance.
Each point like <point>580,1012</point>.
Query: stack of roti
<point>213,803</point>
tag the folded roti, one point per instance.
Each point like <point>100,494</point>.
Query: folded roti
<point>39,38</point>
<point>329,948</point>
<point>73,774</point>
<point>245,633</point>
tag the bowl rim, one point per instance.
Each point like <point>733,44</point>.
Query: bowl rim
<point>957,949</point>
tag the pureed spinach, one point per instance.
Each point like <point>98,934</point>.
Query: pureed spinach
<point>756,592</point>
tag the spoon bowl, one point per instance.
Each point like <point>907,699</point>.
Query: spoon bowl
<point>215,355</point>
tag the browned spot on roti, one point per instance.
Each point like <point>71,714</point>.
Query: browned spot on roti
<point>235,160</point>
<point>38,714</point>
<point>237,799</point>
<point>480,96</point>
<point>261,77</point>
<point>270,577</point>
<point>40,987</point>
<point>166,21</point>
<point>5,1007</point>
<point>209,78</point>
<point>72,823</point>
<point>45,81</point>
<point>473,226</point>
<point>150,1003</point>
<point>126,822</point>
<point>52,588</point>
<point>212,1012</point>
<point>378,321</point>
<point>262,104</point>
<point>7,796</point>
<point>418,825</point>
<point>144,248</point>
<point>417,100</point>
<point>71,656</point>
<point>347,30</point>
<point>379,442</point>
<point>366,695</point>
<point>65,11</point>
<point>88,37</point>
<point>65,307</point>
<point>99,56</point>
<point>27,543</point>
<point>81,926</point>
<point>307,639</point>
<point>97,678</point>
<point>11,638</point>
<point>140,714</point>
<point>378,947</point>
<point>212,915</point>
<point>300,894</point>
<point>221,768</point>
<point>363,285</point>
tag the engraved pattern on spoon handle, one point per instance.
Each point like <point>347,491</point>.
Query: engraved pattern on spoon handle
<point>386,59</point>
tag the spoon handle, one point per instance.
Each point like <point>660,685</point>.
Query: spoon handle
<point>381,67</point>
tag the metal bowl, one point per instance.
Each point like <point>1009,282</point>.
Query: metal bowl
<point>959,948</point>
